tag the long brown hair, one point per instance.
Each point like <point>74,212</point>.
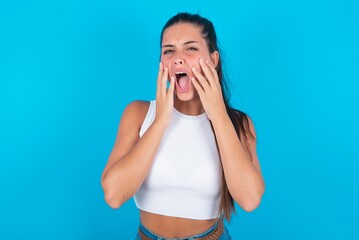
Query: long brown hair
<point>239,119</point>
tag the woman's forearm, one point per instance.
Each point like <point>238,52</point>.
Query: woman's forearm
<point>244,181</point>
<point>124,178</point>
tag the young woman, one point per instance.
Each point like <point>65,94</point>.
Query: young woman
<point>187,156</point>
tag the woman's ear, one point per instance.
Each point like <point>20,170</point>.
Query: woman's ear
<point>215,58</point>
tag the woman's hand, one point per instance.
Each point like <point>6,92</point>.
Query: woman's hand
<point>164,97</point>
<point>209,90</point>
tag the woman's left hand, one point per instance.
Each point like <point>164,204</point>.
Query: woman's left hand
<point>209,90</point>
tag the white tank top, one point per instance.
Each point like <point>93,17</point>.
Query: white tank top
<point>185,178</point>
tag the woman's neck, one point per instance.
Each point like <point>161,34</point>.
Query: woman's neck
<point>192,107</point>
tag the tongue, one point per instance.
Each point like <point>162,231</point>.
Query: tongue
<point>183,82</point>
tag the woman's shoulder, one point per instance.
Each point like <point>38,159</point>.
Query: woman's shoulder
<point>135,112</point>
<point>137,105</point>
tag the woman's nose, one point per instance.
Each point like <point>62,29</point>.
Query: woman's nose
<point>178,61</point>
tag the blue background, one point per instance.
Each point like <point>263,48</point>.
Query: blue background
<point>69,68</point>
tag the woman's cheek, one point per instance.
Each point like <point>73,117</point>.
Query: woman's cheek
<point>165,59</point>
<point>166,63</point>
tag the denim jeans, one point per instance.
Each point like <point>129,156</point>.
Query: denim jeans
<point>225,235</point>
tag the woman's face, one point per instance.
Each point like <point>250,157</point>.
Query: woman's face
<point>182,47</point>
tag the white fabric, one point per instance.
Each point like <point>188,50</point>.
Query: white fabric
<point>185,178</point>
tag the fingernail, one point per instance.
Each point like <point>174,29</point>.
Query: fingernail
<point>201,60</point>
<point>194,69</point>
<point>207,61</point>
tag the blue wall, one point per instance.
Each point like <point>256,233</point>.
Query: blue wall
<point>68,69</point>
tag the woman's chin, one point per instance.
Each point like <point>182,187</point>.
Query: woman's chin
<point>187,96</point>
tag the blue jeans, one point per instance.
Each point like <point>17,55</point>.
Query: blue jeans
<point>225,235</point>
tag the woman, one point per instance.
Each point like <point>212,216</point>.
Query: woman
<point>187,156</point>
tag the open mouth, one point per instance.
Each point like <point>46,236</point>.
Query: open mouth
<point>182,80</point>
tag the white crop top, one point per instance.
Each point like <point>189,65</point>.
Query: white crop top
<point>185,178</point>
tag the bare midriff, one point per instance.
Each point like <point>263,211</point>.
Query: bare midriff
<point>174,227</point>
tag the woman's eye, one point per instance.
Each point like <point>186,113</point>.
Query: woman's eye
<point>192,49</point>
<point>167,51</point>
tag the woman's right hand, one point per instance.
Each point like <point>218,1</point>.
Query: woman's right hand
<point>164,97</point>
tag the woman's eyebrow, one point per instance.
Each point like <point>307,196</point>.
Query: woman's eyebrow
<point>168,45</point>
<point>189,42</point>
<point>186,43</point>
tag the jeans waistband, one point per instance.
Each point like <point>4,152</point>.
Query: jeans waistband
<point>211,233</point>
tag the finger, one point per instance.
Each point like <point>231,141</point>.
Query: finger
<point>214,72</point>
<point>198,87</point>
<point>207,72</point>
<point>164,81</point>
<point>171,88</point>
<point>159,77</point>
<point>201,80</point>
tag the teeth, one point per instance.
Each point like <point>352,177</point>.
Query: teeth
<point>179,74</point>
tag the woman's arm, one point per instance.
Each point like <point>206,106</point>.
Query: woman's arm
<point>243,175</point>
<point>132,156</point>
